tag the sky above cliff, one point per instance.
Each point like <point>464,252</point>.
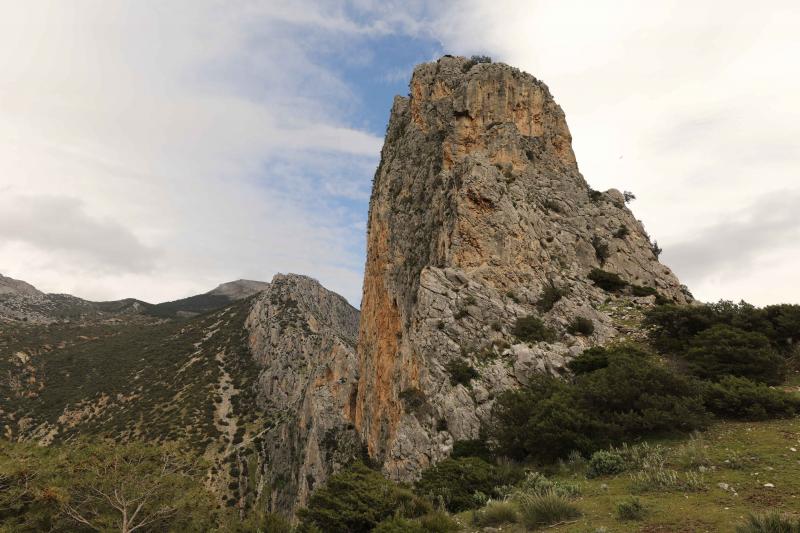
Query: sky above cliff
<point>155,149</point>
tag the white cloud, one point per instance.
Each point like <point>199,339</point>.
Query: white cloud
<point>691,105</point>
<point>202,129</point>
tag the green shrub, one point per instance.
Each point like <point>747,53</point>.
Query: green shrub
<point>595,196</point>
<point>496,513</point>
<point>581,326</point>
<point>608,281</point>
<point>622,232</point>
<point>631,509</point>
<point>531,329</point>
<point>673,326</point>
<point>601,250</point>
<point>353,500</point>
<point>539,484</point>
<point>727,351</point>
<point>461,372</point>
<point>398,524</point>
<point>772,522</point>
<point>630,397</point>
<point>589,360</point>
<point>660,479</point>
<point>438,522</point>
<point>604,463</point>
<point>639,290</point>
<point>474,60</point>
<point>550,295</point>
<point>740,398</point>
<point>456,481</point>
<point>472,448</point>
<point>544,510</point>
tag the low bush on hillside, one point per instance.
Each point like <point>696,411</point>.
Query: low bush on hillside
<point>531,329</point>
<point>438,522</point>
<point>538,511</point>
<point>589,360</point>
<point>456,482</point>
<point>640,290</point>
<point>605,463</point>
<point>630,397</point>
<point>461,372</point>
<point>550,295</point>
<point>357,499</point>
<point>608,281</point>
<point>773,522</point>
<point>672,327</point>
<point>631,509</point>
<point>472,448</point>
<point>496,513</point>
<point>740,398</point>
<point>723,350</point>
<point>581,326</point>
<point>398,524</point>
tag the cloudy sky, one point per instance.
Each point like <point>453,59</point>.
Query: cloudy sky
<point>156,148</point>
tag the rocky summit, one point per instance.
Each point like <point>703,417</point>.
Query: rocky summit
<point>479,217</point>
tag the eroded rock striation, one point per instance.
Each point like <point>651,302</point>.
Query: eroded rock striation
<point>478,212</point>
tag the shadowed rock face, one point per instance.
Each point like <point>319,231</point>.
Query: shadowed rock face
<point>477,207</point>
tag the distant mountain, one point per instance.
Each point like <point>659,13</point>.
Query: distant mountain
<point>22,302</point>
<point>223,295</point>
<point>261,387</point>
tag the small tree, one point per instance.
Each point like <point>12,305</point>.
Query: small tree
<point>132,487</point>
<point>629,196</point>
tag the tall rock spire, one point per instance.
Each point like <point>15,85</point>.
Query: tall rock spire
<point>477,210</point>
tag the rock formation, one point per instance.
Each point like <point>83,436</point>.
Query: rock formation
<point>303,339</point>
<point>478,209</point>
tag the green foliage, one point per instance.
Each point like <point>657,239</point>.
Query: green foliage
<point>581,326</point>
<point>672,326</point>
<point>456,481</point>
<point>474,60</point>
<point>550,295</point>
<point>656,478</point>
<point>608,281</point>
<point>496,513</point>
<point>772,522</point>
<point>628,196</point>
<point>539,484</point>
<point>531,329</point>
<point>544,510</point>
<point>740,398</point>
<point>656,249</point>
<point>472,448</point>
<point>589,360</point>
<point>438,522</point>
<point>630,397</point>
<point>601,249</point>
<point>355,500</point>
<point>461,372</point>
<point>622,232</point>
<point>631,509</point>
<point>398,524</point>
<point>595,196</point>
<point>639,290</point>
<point>99,485</point>
<point>723,350</point>
<point>605,463</point>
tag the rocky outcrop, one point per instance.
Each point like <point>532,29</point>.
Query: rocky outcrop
<point>239,289</point>
<point>478,208</point>
<point>303,338</point>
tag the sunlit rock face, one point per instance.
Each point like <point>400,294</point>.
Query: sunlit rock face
<point>477,207</point>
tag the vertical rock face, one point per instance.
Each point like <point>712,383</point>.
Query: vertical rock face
<point>477,208</point>
<point>303,338</point>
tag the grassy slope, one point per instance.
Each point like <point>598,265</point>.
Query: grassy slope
<point>757,453</point>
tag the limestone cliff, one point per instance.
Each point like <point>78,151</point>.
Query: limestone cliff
<point>477,208</point>
<point>303,338</point>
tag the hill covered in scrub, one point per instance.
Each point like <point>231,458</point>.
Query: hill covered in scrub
<point>521,360</point>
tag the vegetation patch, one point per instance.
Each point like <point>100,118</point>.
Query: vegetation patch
<point>608,281</point>
<point>531,329</point>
